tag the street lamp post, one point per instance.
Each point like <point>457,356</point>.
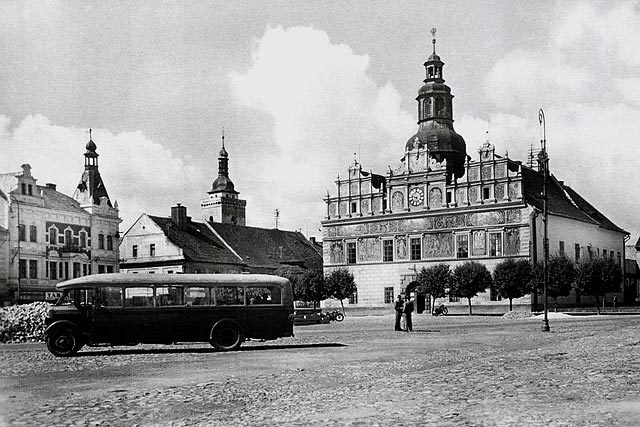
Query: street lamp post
<point>543,161</point>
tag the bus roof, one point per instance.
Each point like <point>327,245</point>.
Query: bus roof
<point>114,279</point>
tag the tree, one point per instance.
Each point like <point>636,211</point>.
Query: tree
<point>311,287</point>
<point>434,281</point>
<point>469,279</point>
<point>561,275</point>
<point>597,277</point>
<point>512,279</point>
<point>340,284</point>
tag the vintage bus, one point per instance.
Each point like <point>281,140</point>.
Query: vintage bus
<point>128,309</point>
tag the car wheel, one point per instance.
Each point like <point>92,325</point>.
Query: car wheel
<point>339,317</point>
<point>226,336</point>
<point>63,342</point>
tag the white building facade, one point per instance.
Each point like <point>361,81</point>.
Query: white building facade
<point>47,237</point>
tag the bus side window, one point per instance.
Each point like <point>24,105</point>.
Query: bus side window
<point>264,295</point>
<point>196,295</point>
<point>138,297</point>
<point>168,295</point>
<point>229,295</point>
<point>110,296</point>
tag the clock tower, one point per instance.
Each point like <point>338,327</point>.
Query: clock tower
<point>223,204</point>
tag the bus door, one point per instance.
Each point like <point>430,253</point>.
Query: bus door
<point>107,315</point>
<point>170,313</point>
<point>139,316</point>
<point>265,315</point>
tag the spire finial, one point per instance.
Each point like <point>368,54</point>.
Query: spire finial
<point>433,33</point>
<point>90,130</point>
<point>222,136</point>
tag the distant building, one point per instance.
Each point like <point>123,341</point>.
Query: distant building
<point>441,206</point>
<point>220,243</point>
<point>47,237</point>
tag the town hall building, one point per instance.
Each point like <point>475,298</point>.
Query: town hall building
<point>444,204</point>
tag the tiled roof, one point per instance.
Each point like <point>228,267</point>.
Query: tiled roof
<point>198,243</point>
<point>270,248</point>
<point>562,200</point>
<point>55,200</point>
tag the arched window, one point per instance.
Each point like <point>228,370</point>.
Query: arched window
<point>83,239</point>
<point>22,233</point>
<point>109,243</point>
<point>440,107</point>
<point>68,238</point>
<point>33,233</point>
<point>100,241</point>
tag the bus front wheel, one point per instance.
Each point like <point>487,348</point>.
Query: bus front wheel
<point>226,336</point>
<point>63,342</point>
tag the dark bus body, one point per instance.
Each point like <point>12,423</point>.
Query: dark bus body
<point>127,309</point>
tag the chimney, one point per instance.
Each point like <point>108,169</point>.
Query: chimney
<point>313,239</point>
<point>179,216</point>
<point>51,185</point>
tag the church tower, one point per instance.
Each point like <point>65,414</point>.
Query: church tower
<point>91,192</point>
<point>435,120</point>
<point>223,204</point>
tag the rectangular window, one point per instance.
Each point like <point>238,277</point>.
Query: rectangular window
<point>354,207</point>
<point>604,253</point>
<point>100,241</point>
<point>22,269</point>
<point>388,295</point>
<point>61,270</point>
<point>53,270</point>
<point>68,238</point>
<point>261,295</point>
<point>109,243</point>
<point>152,249</point>
<point>110,297</point>
<point>23,188</point>
<point>168,295</point>
<point>53,236</point>
<point>486,193</point>
<point>66,270</point>
<point>84,269</point>
<point>83,239</point>
<point>100,269</point>
<point>577,252</point>
<point>196,295</point>
<point>134,251</point>
<point>33,233</point>
<point>229,295</point>
<point>387,250</point>
<point>495,244</point>
<point>353,298</point>
<point>415,244</point>
<point>138,297</point>
<point>76,269</point>
<point>449,196</point>
<point>22,233</point>
<point>33,269</point>
<point>109,268</point>
<point>30,188</point>
<point>561,248</point>
<point>351,252</point>
<point>462,246</point>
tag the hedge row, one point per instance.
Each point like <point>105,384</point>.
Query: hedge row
<point>23,323</point>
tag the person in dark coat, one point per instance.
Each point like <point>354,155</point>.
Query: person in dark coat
<point>407,309</point>
<point>399,306</point>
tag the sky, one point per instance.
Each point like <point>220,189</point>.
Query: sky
<point>302,89</point>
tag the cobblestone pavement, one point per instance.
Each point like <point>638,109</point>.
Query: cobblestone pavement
<point>451,371</point>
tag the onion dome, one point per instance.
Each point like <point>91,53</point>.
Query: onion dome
<point>223,183</point>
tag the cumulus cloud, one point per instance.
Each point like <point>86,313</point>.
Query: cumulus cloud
<point>585,79</point>
<point>141,175</point>
<point>325,107</point>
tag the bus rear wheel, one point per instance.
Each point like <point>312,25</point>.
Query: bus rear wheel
<point>63,342</point>
<point>226,336</point>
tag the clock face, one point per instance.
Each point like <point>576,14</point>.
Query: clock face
<point>416,196</point>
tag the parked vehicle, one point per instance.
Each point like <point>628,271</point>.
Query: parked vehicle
<point>125,309</point>
<point>335,315</point>
<point>441,310</point>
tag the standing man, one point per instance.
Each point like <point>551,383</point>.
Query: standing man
<point>407,309</point>
<point>399,306</point>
